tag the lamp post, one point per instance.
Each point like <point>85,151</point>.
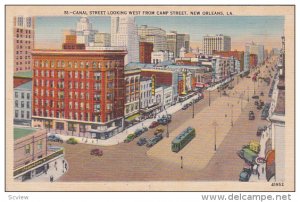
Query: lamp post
<point>215,124</point>
<point>168,130</point>
<point>209,98</point>
<point>193,109</point>
<point>248,92</point>
<point>181,162</point>
<point>231,114</point>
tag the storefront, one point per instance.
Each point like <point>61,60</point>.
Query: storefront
<point>270,165</point>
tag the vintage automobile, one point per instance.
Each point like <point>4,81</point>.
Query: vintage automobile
<point>96,152</point>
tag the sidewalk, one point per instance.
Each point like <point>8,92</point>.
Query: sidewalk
<point>57,168</point>
<point>120,137</point>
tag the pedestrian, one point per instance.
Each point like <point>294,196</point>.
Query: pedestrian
<point>66,166</point>
<point>263,170</point>
<point>258,175</point>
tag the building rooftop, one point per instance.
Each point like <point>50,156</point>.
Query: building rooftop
<point>25,86</point>
<point>22,132</point>
<point>27,74</point>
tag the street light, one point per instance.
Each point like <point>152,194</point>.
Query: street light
<point>193,109</point>
<point>215,124</point>
<point>181,162</point>
<point>168,130</point>
<point>231,114</point>
<point>248,92</point>
<point>209,98</point>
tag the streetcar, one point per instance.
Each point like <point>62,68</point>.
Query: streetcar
<point>183,139</point>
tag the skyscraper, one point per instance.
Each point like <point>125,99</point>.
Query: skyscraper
<point>216,43</point>
<point>124,33</point>
<point>256,49</point>
<point>176,41</point>
<point>154,35</point>
<point>23,42</point>
<point>84,31</point>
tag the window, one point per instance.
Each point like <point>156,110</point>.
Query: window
<point>22,114</point>
<point>27,149</point>
<point>27,115</point>
<point>40,145</point>
<point>28,104</point>
<point>16,103</point>
<point>22,95</point>
<point>22,104</point>
<point>16,113</point>
<point>16,94</point>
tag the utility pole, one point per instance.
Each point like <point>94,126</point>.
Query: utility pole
<point>231,114</point>
<point>215,124</point>
<point>181,162</point>
<point>193,109</point>
<point>248,92</point>
<point>209,98</point>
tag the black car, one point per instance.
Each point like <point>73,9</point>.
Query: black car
<point>54,138</point>
<point>141,141</point>
<point>251,115</point>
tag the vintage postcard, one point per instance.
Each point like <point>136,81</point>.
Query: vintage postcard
<point>150,98</point>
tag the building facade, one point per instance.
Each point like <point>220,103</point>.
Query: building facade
<point>216,43</point>
<point>257,49</point>
<point>176,41</point>
<point>132,91</point>
<point>102,39</point>
<point>124,33</point>
<point>22,104</point>
<point>238,55</point>
<point>84,32</point>
<point>253,60</point>
<point>79,91</point>
<point>23,31</point>
<point>161,56</point>
<point>145,92</point>
<point>146,49</point>
<point>154,35</point>
<point>221,69</point>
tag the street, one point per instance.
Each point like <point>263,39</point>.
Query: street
<point>200,161</point>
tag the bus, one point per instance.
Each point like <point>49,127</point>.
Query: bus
<point>183,139</point>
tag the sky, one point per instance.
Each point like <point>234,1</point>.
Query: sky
<point>266,30</point>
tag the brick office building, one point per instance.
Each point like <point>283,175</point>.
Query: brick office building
<point>79,92</point>
<point>146,49</point>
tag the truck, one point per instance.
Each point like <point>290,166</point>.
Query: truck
<point>248,155</point>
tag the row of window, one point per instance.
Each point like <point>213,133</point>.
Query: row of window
<point>22,104</point>
<point>21,114</point>
<point>21,36</point>
<point>29,150</point>
<point>73,74</point>
<point>21,47</point>
<point>22,95</point>
<point>74,64</point>
<point>21,31</point>
<point>21,57</point>
<point>21,68</point>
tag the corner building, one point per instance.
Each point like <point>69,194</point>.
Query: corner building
<point>79,92</point>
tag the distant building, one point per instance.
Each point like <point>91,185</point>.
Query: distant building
<point>176,41</point>
<point>102,39</point>
<point>257,49</point>
<point>154,35</point>
<point>161,56</point>
<point>84,32</point>
<point>22,104</point>
<point>146,49</point>
<point>23,30</point>
<point>238,55</point>
<point>221,68</point>
<point>71,43</point>
<point>124,33</point>
<point>253,60</point>
<point>216,43</point>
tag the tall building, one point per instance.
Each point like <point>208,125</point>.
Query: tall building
<point>216,43</point>
<point>257,49</point>
<point>124,33</point>
<point>23,30</point>
<point>176,41</point>
<point>84,32</point>
<point>146,49</point>
<point>79,91</point>
<point>154,35</point>
<point>102,39</point>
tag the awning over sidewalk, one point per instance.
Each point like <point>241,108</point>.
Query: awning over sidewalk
<point>149,109</point>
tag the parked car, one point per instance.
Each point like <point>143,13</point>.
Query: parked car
<point>141,141</point>
<point>185,107</point>
<point>158,130</point>
<point>145,129</point>
<point>255,97</point>
<point>54,138</point>
<point>153,124</point>
<point>245,175</point>
<point>129,138</point>
<point>261,93</point>
<point>251,115</point>
<point>96,152</point>
<point>152,141</point>
<point>260,130</point>
<point>138,132</point>
<point>72,140</point>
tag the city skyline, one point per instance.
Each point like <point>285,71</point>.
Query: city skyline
<point>265,30</point>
